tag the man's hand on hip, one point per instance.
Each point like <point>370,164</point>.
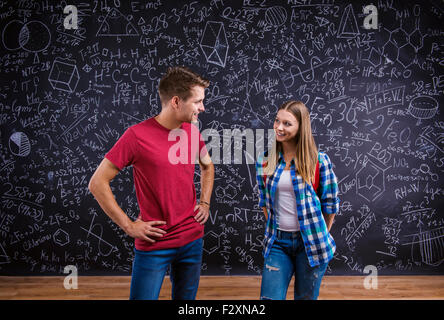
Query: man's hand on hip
<point>145,230</point>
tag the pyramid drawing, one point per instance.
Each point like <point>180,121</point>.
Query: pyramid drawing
<point>214,43</point>
<point>116,24</point>
<point>348,28</point>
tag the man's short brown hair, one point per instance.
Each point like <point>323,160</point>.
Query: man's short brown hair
<point>178,81</point>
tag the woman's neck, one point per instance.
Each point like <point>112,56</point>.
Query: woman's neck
<point>288,148</point>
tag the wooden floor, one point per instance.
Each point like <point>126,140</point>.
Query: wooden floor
<point>222,288</point>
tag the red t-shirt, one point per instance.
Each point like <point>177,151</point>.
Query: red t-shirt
<point>163,173</point>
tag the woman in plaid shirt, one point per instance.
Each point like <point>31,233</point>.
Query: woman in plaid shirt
<point>299,218</point>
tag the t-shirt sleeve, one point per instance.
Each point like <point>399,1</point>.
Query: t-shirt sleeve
<point>123,153</point>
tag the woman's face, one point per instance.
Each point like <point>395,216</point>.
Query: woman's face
<point>285,126</point>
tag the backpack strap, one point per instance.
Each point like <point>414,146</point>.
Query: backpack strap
<point>264,176</point>
<point>316,180</point>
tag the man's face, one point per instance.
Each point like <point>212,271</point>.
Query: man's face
<point>189,109</point>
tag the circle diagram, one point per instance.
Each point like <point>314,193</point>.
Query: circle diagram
<point>19,144</point>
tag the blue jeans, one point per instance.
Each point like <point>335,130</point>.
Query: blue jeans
<point>288,257</point>
<point>149,268</point>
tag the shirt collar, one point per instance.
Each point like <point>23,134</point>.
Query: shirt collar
<point>281,157</point>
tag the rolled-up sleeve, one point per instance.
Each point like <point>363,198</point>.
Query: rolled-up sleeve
<point>328,184</point>
<point>260,178</point>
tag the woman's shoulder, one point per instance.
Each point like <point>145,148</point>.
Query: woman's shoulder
<point>323,158</point>
<point>262,156</point>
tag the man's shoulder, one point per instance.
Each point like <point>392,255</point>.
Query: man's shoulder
<point>142,125</point>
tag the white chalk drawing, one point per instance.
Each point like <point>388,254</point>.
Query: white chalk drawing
<point>211,242</point>
<point>19,144</point>
<point>64,75</point>
<point>430,244</point>
<point>32,36</point>
<point>416,38</point>
<point>104,247</point>
<point>307,75</point>
<point>370,181</point>
<point>61,237</point>
<point>116,24</point>
<point>401,46</point>
<point>348,28</point>
<point>425,169</point>
<point>228,191</point>
<point>276,16</point>
<point>384,99</point>
<point>422,108</point>
<point>374,57</point>
<point>11,35</point>
<point>295,53</point>
<point>214,43</point>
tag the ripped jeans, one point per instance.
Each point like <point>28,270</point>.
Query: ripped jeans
<point>288,257</point>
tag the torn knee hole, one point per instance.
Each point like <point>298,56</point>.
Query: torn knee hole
<point>271,268</point>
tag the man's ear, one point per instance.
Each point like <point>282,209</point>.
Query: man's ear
<point>175,102</point>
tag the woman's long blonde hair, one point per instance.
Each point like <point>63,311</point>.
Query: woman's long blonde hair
<point>306,150</point>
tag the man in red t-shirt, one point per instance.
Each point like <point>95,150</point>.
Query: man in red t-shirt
<point>163,152</point>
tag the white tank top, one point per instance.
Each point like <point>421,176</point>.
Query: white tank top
<point>287,217</point>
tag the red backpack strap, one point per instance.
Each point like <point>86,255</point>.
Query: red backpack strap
<point>316,181</point>
<point>264,176</point>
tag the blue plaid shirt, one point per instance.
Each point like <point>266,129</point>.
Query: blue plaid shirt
<point>319,244</point>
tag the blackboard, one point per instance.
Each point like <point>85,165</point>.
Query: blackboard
<point>67,95</point>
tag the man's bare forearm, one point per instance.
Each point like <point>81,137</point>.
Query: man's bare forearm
<point>104,196</point>
<point>206,183</point>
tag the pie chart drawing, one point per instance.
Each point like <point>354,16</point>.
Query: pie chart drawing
<point>19,144</point>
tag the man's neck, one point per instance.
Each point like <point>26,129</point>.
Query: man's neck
<point>167,120</point>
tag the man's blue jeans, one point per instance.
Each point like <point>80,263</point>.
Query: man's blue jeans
<point>288,257</point>
<point>149,270</point>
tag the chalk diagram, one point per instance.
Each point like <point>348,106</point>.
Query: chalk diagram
<point>19,144</point>
<point>228,191</point>
<point>116,24</point>
<point>307,75</point>
<point>370,181</point>
<point>211,242</point>
<point>348,27</point>
<point>402,46</point>
<point>425,169</point>
<point>214,43</point>
<point>276,16</point>
<point>32,36</point>
<point>430,245</point>
<point>422,108</point>
<point>295,53</point>
<point>374,57</point>
<point>104,247</point>
<point>64,75</point>
<point>61,237</point>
